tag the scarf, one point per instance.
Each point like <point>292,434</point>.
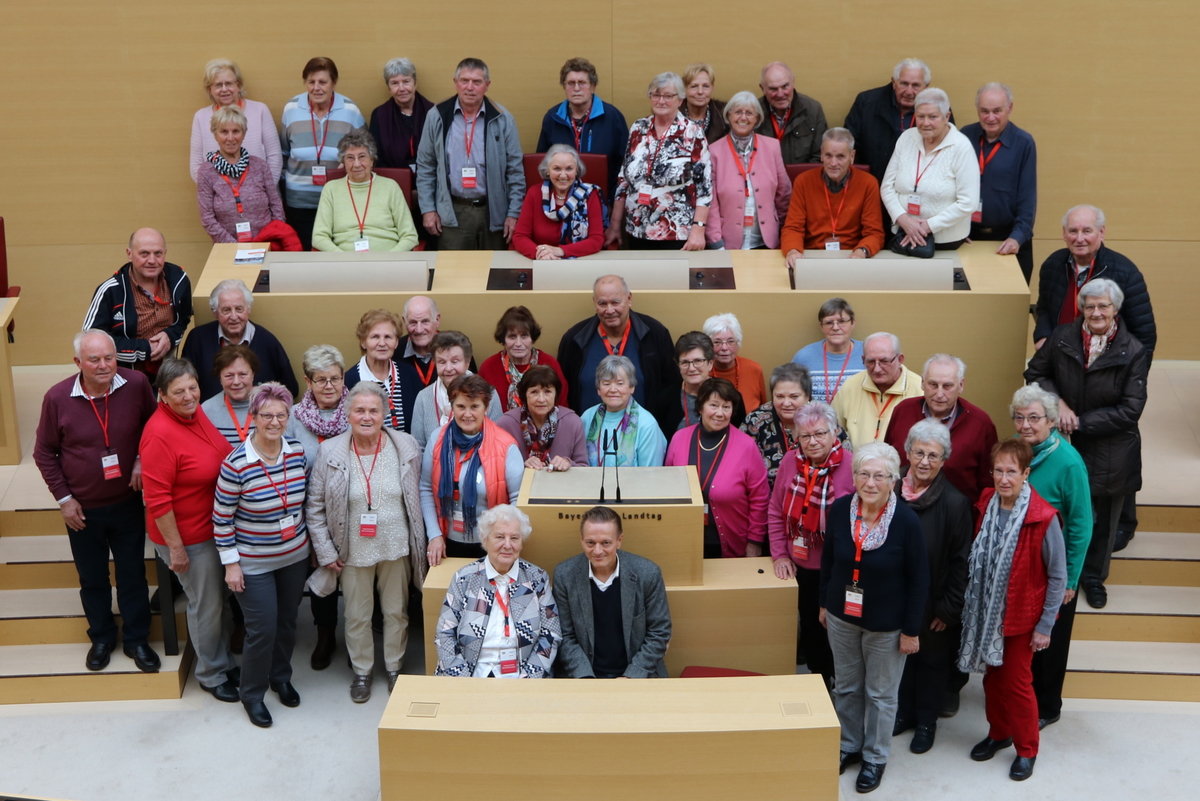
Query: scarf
<point>626,431</point>
<point>987,585</point>
<point>907,489</point>
<point>397,131</point>
<point>309,415</point>
<point>1095,344</point>
<point>514,372</point>
<point>805,509</point>
<point>453,443</point>
<point>744,145</point>
<point>538,440</point>
<point>877,536</point>
<point>1042,451</point>
<point>225,168</point>
<point>572,213</point>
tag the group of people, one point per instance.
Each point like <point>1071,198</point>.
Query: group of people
<point>674,179</point>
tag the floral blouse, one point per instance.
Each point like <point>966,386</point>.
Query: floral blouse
<point>676,173</point>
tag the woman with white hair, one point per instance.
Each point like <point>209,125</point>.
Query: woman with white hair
<point>748,204</point>
<point>506,598</point>
<point>874,583</point>
<point>363,211</point>
<point>562,217</point>
<point>397,124</point>
<point>665,185</point>
<point>745,374</point>
<point>223,82</point>
<point>931,186</point>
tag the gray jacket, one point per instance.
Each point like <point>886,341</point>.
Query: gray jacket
<point>503,155</point>
<point>645,617</point>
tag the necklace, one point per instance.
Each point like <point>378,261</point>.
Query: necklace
<point>714,447</point>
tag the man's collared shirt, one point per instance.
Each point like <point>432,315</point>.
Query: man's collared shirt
<point>948,419</point>
<point>1008,184</point>
<point>247,336</point>
<point>604,585</point>
<point>461,132</point>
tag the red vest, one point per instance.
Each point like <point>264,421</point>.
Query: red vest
<point>1027,581</point>
<point>493,452</point>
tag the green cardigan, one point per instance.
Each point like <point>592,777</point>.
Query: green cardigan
<point>1061,477</point>
<point>388,225</point>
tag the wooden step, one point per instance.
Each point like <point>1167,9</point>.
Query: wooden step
<point>44,561</point>
<point>44,674</point>
<point>45,616</point>
<point>31,523</point>
<point>1164,558</point>
<point>1168,518</point>
<point>1144,671</point>
<point>1141,613</point>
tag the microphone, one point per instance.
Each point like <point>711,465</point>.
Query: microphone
<point>603,461</point>
<point>615,444</point>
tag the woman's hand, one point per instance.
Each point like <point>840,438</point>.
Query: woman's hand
<point>234,579</point>
<point>753,550</point>
<point>336,566</point>
<point>1068,421</point>
<point>821,617</point>
<point>1041,641</point>
<point>179,559</point>
<point>937,625</point>
<point>548,253</point>
<point>560,464</point>
<point>436,551</point>
<point>785,569</point>
<point>695,240</point>
<point>909,645</point>
<point>915,230</point>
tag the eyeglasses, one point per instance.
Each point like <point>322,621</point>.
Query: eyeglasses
<point>836,323</point>
<point>1094,307</point>
<point>813,436</point>
<point>878,478</point>
<point>268,416</point>
<point>225,85</point>
<point>326,382</point>
<point>577,84</point>
<point>917,457</point>
<point>879,362</point>
<point>1006,474</point>
<point>656,97</point>
<point>687,364</point>
<point>722,343</point>
<point>1032,419</point>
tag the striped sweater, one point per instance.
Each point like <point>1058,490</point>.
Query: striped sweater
<point>300,147</point>
<point>248,508</point>
<point>218,414</point>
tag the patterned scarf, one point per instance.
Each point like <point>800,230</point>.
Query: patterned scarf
<point>453,443</point>
<point>309,415</point>
<point>515,371</point>
<point>572,213</point>
<point>987,585</point>
<point>1042,451</point>
<point>877,536</point>
<point>626,430</point>
<point>909,490</point>
<point>1095,344</point>
<point>225,168</point>
<point>538,440</point>
<point>807,521</point>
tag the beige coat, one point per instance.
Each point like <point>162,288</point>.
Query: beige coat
<point>328,504</point>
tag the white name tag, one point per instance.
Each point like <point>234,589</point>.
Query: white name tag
<point>287,527</point>
<point>361,245</point>
<point>833,244</point>
<point>243,231</point>
<point>111,465</point>
<point>468,177</point>
<point>914,204</point>
<point>318,176</point>
<point>366,524</point>
<point>854,601</point>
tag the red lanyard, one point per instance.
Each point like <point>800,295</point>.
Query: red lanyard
<point>920,172</point>
<point>312,117</point>
<point>502,602</point>
<point>579,131</point>
<point>283,496</point>
<point>829,203</point>
<point>469,143</point>
<point>427,376</point>
<point>774,124</point>
<point>653,158</point>
<point>103,423</point>
<point>241,432</point>
<point>237,190</point>
<point>859,539</point>
<point>620,351</point>
<point>687,416</point>
<point>706,480</point>
<point>743,169</point>
<point>461,459</point>
<point>825,364</point>
<point>367,476</point>
<point>882,410</point>
<point>982,162</point>
<point>362,221</point>
<point>808,490</point>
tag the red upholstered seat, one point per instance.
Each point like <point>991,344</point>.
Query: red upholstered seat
<point>6,290</point>
<point>402,176</point>
<point>700,672</point>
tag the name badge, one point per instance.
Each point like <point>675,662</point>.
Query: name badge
<point>854,598</point>
<point>508,661</point>
<point>366,524</point>
<point>361,245</point>
<point>748,214</point>
<point>977,215</point>
<point>456,516</point>
<point>468,177</point>
<point>833,244</point>
<point>318,176</point>
<point>799,550</point>
<point>243,231</point>
<point>914,205</point>
<point>287,527</point>
<point>644,197</point>
<point>111,465</point>
<point>707,519</point>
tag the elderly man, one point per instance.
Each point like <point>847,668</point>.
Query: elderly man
<point>972,432</point>
<point>796,120</point>
<point>584,121</point>
<point>612,607</point>
<point>866,402</point>
<point>617,330</point>
<point>422,320</point>
<point>87,451</point>
<point>1007,177</point>
<point>145,306</point>
<point>835,207</point>
<point>470,172</point>
<point>230,302</point>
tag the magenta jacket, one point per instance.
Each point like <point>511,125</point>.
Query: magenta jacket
<point>738,497</point>
<point>781,547</point>
<point>568,440</point>
<point>772,193</point>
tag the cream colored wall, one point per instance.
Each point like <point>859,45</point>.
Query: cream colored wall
<point>99,100</point>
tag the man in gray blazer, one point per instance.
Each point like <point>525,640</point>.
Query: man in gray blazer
<point>612,607</point>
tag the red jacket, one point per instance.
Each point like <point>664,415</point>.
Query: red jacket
<point>972,437</point>
<point>535,228</point>
<point>1028,580</point>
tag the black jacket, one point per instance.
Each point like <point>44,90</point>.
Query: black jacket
<point>947,521</point>
<point>801,140</point>
<point>874,119</point>
<point>1136,313</point>
<point>112,310</point>
<point>202,345</point>
<point>1109,399</point>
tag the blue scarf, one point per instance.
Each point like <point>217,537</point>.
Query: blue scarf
<point>454,442</point>
<point>572,213</point>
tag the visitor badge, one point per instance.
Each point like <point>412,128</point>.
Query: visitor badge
<point>644,197</point>
<point>854,596</point>
<point>977,215</point>
<point>287,527</point>
<point>914,204</point>
<point>361,245</point>
<point>707,519</point>
<point>799,550</point>
<point>366,524</point>
<point>508,661</point>
<point>111,465</point>
<point>318,176</point>
<point>456,517</point>
<point>748,214</point>
<point>243,231</point>
<point>468,177</point>
<point>833,243</point>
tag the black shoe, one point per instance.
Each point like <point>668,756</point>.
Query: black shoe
<point>258,713</point>
<point>949,705</point>
<point>922,741</point>
<point>144,657</point>
<point>322,654</point>
<point>849,758</point>
<point>98,656</point>
<point>1022,768</point>
<point>986,748</point>
<point>1044,722</point>
<point>227,691</point>
<point>869,777</point>
<point>902,725</point>
<point>1122,539</point>
<point>237,640</point>
<point>1097,596</point>
<point>287,694</point>
<point>234,675</point>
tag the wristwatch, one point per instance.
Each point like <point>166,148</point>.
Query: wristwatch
<point>864,250</point>
<point>697,222</point>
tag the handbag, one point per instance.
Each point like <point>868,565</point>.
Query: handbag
<point>919,251</point>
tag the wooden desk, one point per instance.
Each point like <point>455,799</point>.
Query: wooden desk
<point>770,737</point>
<point>10,437</point>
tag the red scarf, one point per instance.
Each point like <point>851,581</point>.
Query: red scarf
<point>807,520</point>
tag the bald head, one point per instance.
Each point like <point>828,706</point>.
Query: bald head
<point>147,253</point>
<point>778,85</point>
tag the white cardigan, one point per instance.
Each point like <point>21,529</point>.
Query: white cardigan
<point>949,186</point>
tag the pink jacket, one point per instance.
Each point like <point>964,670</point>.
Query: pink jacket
<point>738,497</point>
<point>772,193</point>
<point>781,547</point>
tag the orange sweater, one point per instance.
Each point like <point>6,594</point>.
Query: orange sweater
<point>809,222</point>
<point>748,378</point>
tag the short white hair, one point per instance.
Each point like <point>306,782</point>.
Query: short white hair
<point>927,430</point>
<point>744,100</point>
<point>912,64</point>
<point>722,322</point>
<point>1030,394</point>
<point>933,96</point>
<point>1094,209</point>
<point>89,332</point>
<point>433,307</point>
<point>994,86</point>
<point>945,358</point>
<point>891,338</point>
<point>881,452</point>
<point>838,135</point>
<point>1099,287</point>
<point>503,512</point>
<point>229,285</point>
<point>544,166</point>
<point>664,80</point>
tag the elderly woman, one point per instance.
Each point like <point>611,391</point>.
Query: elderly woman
<point>479,600</point>
<point>378,336</point>
<point>550,436</point>
<point>665,184</point>
<point>470,465</point>
<point>314,122</point>
<point>1016,577</point>
<point>223,82</point>
<point>234,366</point>
<point>836,356</point>
<point>563,217</point>
<point>237,195</point>
<point>352,215</point>
<point>1098,370</point>
<point>946,521</point>
<point>874,582</point>
<point>694,355</point>
<point>451,355</point>
<point>931,186</point>
<point>733,480</point>
<point>396,126</point>
<point>708,114</point>
<point>772,425</point>
<point>364,518</point>
<point>811,477</point>
<point>181,454</point>
<point>516,332</point>
<point>762,196</point>
<point>618,429</point>
<point>726,334</point>
<point>258,513</point>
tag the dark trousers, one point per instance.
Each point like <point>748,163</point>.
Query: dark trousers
<point>926,673</point>
<point>1129,522</point>
<point>1106,511</point>
<point>1008,697</point>
<point>1050,665</point>
<point>270,602</point>
<point>473,231</point>
<point>121,529</point>
<point>325,610</point>
<point>463,550</point>
<point>302,220</point>
<point>813,637</point>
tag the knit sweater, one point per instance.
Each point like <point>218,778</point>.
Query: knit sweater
<point>201,346</point>
<point>568,439</point>
<point>181,459</point>
<point>387,222</point>
<point>262,139</point>
<point>259,193</point>
<point>949,183</point>
<point>810,215</point>
<point>492,370</point>
<point>972,435</point>
<point>218,414</point>
<point>302,151</point>
<point>747,377</point>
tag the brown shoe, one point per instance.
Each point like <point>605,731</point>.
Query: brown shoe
<point>322,654</point>
<point>360,689</point>
<point>392,676</point>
